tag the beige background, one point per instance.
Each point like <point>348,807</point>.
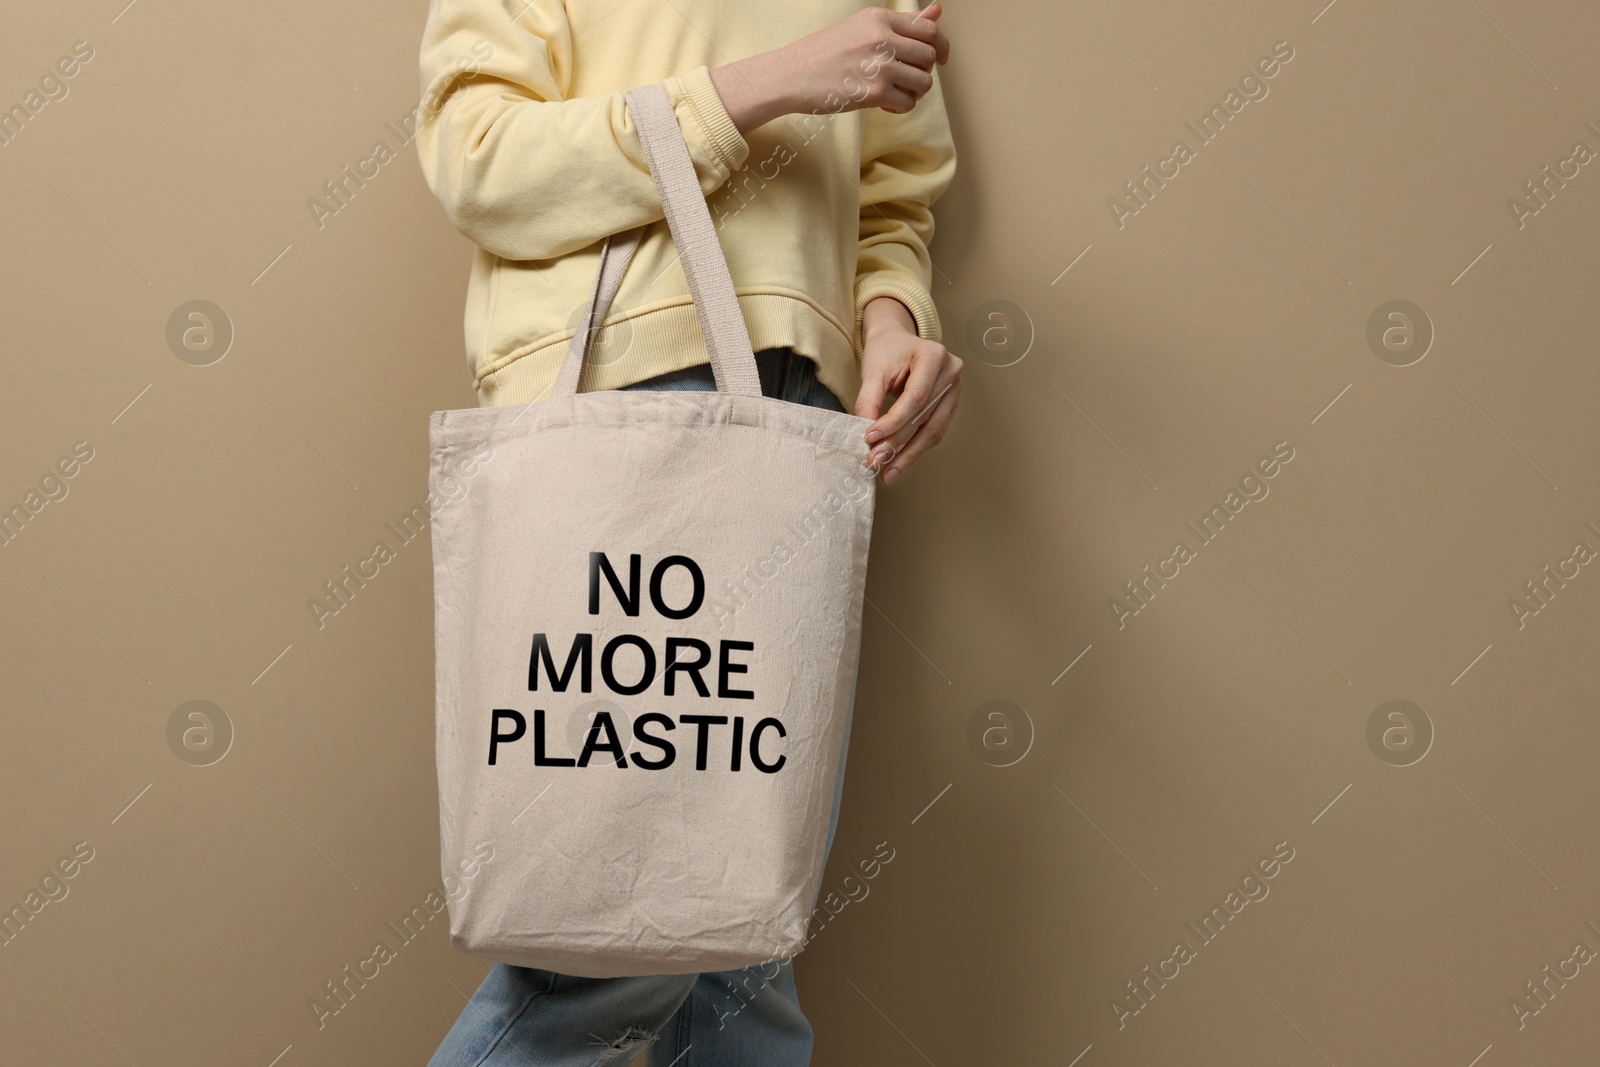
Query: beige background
<point>1228,716</point>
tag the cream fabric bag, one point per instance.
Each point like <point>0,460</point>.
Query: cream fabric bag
<point>647,620</point>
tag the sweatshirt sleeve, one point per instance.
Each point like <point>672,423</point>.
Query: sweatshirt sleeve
<point>907,162</point>
<point>522,170</point>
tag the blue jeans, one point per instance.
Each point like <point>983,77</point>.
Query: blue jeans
<point>524,1017</point>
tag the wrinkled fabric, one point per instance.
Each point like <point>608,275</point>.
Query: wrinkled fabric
<point>607,870</point>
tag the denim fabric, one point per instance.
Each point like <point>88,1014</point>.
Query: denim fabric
<point>524,1017</point>
<point>785,374</point>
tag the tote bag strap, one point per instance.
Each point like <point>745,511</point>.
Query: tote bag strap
<point>693,233</point>
<point>615,254</point>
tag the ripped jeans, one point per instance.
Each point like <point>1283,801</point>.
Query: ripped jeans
<point>524,1017</point>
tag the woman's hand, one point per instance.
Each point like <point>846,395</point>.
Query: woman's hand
<point>927,377</point>
<point>875,58</point>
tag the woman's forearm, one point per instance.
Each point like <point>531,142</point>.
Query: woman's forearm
<point>752,89</point>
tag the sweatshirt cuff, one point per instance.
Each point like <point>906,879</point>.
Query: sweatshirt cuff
<point>905,289</point>
<point>712,116</point>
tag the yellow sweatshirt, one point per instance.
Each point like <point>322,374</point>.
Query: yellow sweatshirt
<point>525,139</point>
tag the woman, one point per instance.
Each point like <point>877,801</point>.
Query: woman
<point>820,152</point>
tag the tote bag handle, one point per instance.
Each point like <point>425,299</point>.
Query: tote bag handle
<point>695,237</point>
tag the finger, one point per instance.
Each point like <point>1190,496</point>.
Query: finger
<point>914,81</point>
<point>897,101</point>
<point>869,402</point>
<point>925,378</point>
<point>914,53</point>
<point>923,27</point>
<point>908,410</point>
<point>929,434</point>
<point>884,451</point>
<point>917,25</point>
<point>939,42</point>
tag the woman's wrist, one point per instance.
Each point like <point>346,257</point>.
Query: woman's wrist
<point>883,313</point>
<point>754,90</point>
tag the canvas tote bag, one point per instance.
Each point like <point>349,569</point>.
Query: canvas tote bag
<point>647,621</point>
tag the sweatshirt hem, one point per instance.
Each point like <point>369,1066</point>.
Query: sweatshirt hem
<point>668,338</point>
